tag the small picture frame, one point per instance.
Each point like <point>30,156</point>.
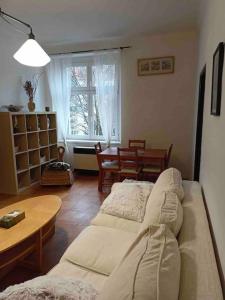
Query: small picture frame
<point>156,65</point>
<point>217,75</point>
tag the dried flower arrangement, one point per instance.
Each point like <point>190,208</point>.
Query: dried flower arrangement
<point>30,88</point>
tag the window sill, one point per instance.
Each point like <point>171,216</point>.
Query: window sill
<point>91,141</point>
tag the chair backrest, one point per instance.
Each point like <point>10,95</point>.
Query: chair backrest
<point>98,148</point>
<point>169,155</point>
<point>128,158</point>
<point>137,144</point>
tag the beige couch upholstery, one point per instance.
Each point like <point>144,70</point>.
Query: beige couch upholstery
<point>101,246</point>
<point>199,274</point>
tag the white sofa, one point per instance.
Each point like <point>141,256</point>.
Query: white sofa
<point>97,251</point>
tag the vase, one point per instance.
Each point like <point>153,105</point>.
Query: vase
<point>31,105</point>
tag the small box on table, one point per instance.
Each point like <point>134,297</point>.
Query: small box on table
<point>12,218</point>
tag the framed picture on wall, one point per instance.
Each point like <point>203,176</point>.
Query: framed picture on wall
<point>156,66</point>
<point>217,74</point>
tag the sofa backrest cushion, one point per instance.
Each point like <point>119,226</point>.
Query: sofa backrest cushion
<point>149,270</point>
<point>170,180</point>
<point>163,208</point>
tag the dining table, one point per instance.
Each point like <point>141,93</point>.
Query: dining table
<point>151,154</point>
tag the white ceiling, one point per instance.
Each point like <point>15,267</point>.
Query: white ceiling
<point>76,21</point>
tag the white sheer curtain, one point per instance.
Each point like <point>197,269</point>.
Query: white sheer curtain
<point>107,81</point>
<point>59,79</point>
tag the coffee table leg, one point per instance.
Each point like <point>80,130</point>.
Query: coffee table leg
<point>36,263</point>
<point>39,250</point>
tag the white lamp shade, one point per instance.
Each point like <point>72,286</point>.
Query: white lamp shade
<point>31,54</point>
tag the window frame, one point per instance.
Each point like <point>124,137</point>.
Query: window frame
<point>90,90</point>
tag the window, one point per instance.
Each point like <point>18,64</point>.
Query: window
<point>84,122</point>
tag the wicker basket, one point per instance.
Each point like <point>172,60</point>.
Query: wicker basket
<point>57,177</point>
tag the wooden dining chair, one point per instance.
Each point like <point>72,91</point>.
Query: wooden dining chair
<point>168,156</point>
<point>151,169</point>
<point>154,169</point>
<point>128,163</point>
<point>107,169</point>
<point>137,144</point>
<point>98,147</point>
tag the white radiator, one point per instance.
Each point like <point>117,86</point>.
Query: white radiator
<point>84,158</point>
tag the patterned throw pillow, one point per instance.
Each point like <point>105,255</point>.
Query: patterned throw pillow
<point>127,201</point>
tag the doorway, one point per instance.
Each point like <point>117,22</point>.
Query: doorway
<point>198,143</point>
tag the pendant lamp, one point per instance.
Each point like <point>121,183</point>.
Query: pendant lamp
<point>30,53</point>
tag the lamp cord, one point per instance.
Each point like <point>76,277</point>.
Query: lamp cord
<point>12,25</point>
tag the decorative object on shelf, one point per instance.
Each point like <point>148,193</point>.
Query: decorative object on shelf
<point>30,91</point>
<point>15,125</point>
<point>47,109</point>
<point>12,108</point>
<point>156,65</point>
<point>38,123</point>
<point>218,59</point>
<point>16,148</point>
<point>12,218</point>
<point>42,159</point>
<point>30,53</point>
<point>30,87</point>
<point>48,122</point>
<point>17,165</point>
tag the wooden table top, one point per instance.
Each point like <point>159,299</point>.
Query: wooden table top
<point>147,153</point>
<point>38,212</point>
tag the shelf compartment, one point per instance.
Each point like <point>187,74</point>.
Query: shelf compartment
<point>23,180</point>
<point>33,140</point>
<point>43,138</point>
<point>44,155</point>
<point>31,123</point>
<point>51,121</point>
<point>42,122</point>
<point>21,162</point>
<point>53,152</point>
<point>18,124</point>
<point>34,158</point>
<point>20,143</point>
<point>35,174</point>
<point>52,136</point>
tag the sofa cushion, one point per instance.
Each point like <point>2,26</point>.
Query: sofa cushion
<point>69,269</point>
<point>170,180</point>
<point>127,201</point>
<point>164,208</point>
<point>99,248</point>
<point>150,269</point>
<point>116,222</point>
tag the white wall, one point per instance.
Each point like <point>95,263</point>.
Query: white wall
<point>13,74</point>
<point>158,108</point>
<point>212,178</point>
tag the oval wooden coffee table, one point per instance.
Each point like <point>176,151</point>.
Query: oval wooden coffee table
<point>29,235</point>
